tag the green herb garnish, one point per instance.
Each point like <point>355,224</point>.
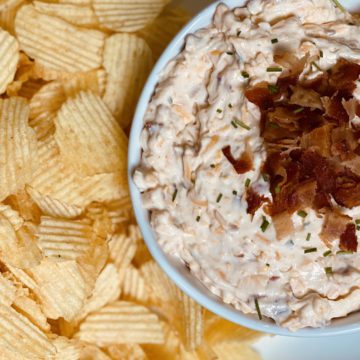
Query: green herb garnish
<point>310,250</point>
<point>245,74</point>
<point>298,110</point>
<point>338,5</point>
<point>230,105</point>
<point>273,89</point>
<point>258,308</point>
<point>267,264</point>
<point>239,32</point>
<point>219,198</point>
<point>321,53</point>
<point>265,176</point>
<point>229,53</point>
<point>274,69</point>
<point>327,253</point>
<point>242,124</point>
<point>198,218</point>
<point>247,182</point>
<point>357,221</point>
<point>308,236</point>
<point>265,224</point>
<point>174,195</point>
<point>328,270</point>
<point>219,111</point>
<point>274,41</point>
<point>313,63</point>
<point>302,213</point>
<point>212,166</point>
<point>273,125</point>
<point>277,189</point>
<point>343,252</point>
<point>234,192</point>
<point>233,124</point>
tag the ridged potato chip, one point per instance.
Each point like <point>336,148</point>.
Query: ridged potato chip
<point>74,14</point>
<point>66,349</point>
<point>18,147</point>
<point>56,44</point>
<point>64,239</point>
<point>120,211</point>
<point>20,337</point>
<point>119,323</point>
<point>122,250</point>
<point>235,350</point>
<point>126,15</point>
<point>7,291</point>
<point>163,29</point>
<point>89,138</point>
<point>61,287</point>
<point>92,352</point>
<point>6,4</point>
<point>23,277</point>
<point>127,351</point>
<point>9,57</point>
<point>133,285</point>
<point>12,216</point>
<point>127,61</point>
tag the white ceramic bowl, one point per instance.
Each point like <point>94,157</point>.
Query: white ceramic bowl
<point>173,268</point>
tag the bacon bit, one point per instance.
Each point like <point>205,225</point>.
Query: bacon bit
<point>334,225</point>
<point>306,98</point>
<point>344,143</point>
<point>319,139</point>
<point>260,96</point>
<point>284,118</point>
<point>335,109</point>
<point>254,201</point>
<point>348,239</point>
<point>283,225</point>
<point>241,166</point>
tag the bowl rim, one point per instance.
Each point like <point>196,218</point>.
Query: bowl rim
<point>203,297</point>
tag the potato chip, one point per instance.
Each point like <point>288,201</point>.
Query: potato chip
<point>163,29</point>
<point>88,136</point>
<point>7,18</point>
<point>107,289</point>
<point>133,285</point>
<point>92,352</point>
<point>18,148</point>
<point>122,250</point>
<point>66,328</point>
<point>21,337</point>
<point>233,349</point>
<point>62,288</point>
<point>119,323</point>
<point>9,57</point>
<point>53,207</point>
<point>66,349</point>
<point>74,14</point>
<point>126,351</point>
<point>23,277</point>
<point>32,311</point>
<point>125,15</point>
<point>12,216</point>
<point>6,4</point>
<point>56,44</point>
<point>127,61</point>
<point>120,211</point>
<point>64,239</point>
<point>7,291</point>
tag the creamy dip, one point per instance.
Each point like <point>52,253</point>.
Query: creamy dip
<point>196,199</point>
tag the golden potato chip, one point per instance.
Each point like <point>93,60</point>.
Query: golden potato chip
<point>127,61</point>
<point>7,291</point>
<point>120,211</point>
<point>18,148</point>
<point>61,287</point>
<point>32,311</point>
<point>92,352</point>
<point>6,4</point>
<point>53,207</point>
<point>74,14</point>
<point>18,248</point>
<point>12,216</point>
<point>122,250</point>
<point>125,15</point>
<point>235,350</point>
<point>119,323</point>
<point>66,349</point>
<point>21,337</point>
<point>9,57</point>
<point>127,351</point>
<point>56,44</point>
<point>23,277</point>
<point>163,29</point>
<point>89,138</point>
<point>57,181</point>
<point>133,285</point>
<point>107,289</point>
<point>29,88</point>
<point>64,239</point>
<point>66,328</point>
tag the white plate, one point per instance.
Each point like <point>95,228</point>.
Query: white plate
<point>344,347</point>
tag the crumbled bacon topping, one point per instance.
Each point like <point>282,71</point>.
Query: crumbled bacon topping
<point>313,150</point>
<point>242,165</point>
<point>254,200</point>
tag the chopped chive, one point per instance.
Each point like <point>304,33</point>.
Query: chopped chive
<point>357,221</point>
<point>321,53</point>
<point>308,236</point>
<point>229,53</point>
<point>298,110</point>
<point>311,250</point>
<point>277,189</point>
<point>258,308</point>
<point>313,63</point>
<point>233,124</point>
<point>343,252</point>
<point>245,74</point>
<point>265,224</point>
<point>358,228</point>
<point>238,33</point>
<point>328,270</point>
<point>274,41</point>
<point>273,125</point>
<point>273,89</point>
<point>338,5</point>
<point>198,218</point>
<point>174,195</point>
<point>242,124</point>
<point>327,253</point>
<point>219,111</point>
<point>302,213</point>
<point>234,192</point>
<point>230,106</point>
<point>247,182</point>
<point>267,264</point>
<point>212,166</point>
<point>274,69</point>
<point>265,176</point>
<point>219,198</point>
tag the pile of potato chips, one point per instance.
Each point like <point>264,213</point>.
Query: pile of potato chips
<point>76,279</point>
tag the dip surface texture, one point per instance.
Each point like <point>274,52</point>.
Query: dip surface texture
<point>196,198</point>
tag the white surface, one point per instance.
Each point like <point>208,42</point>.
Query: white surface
<point>278,347</point>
